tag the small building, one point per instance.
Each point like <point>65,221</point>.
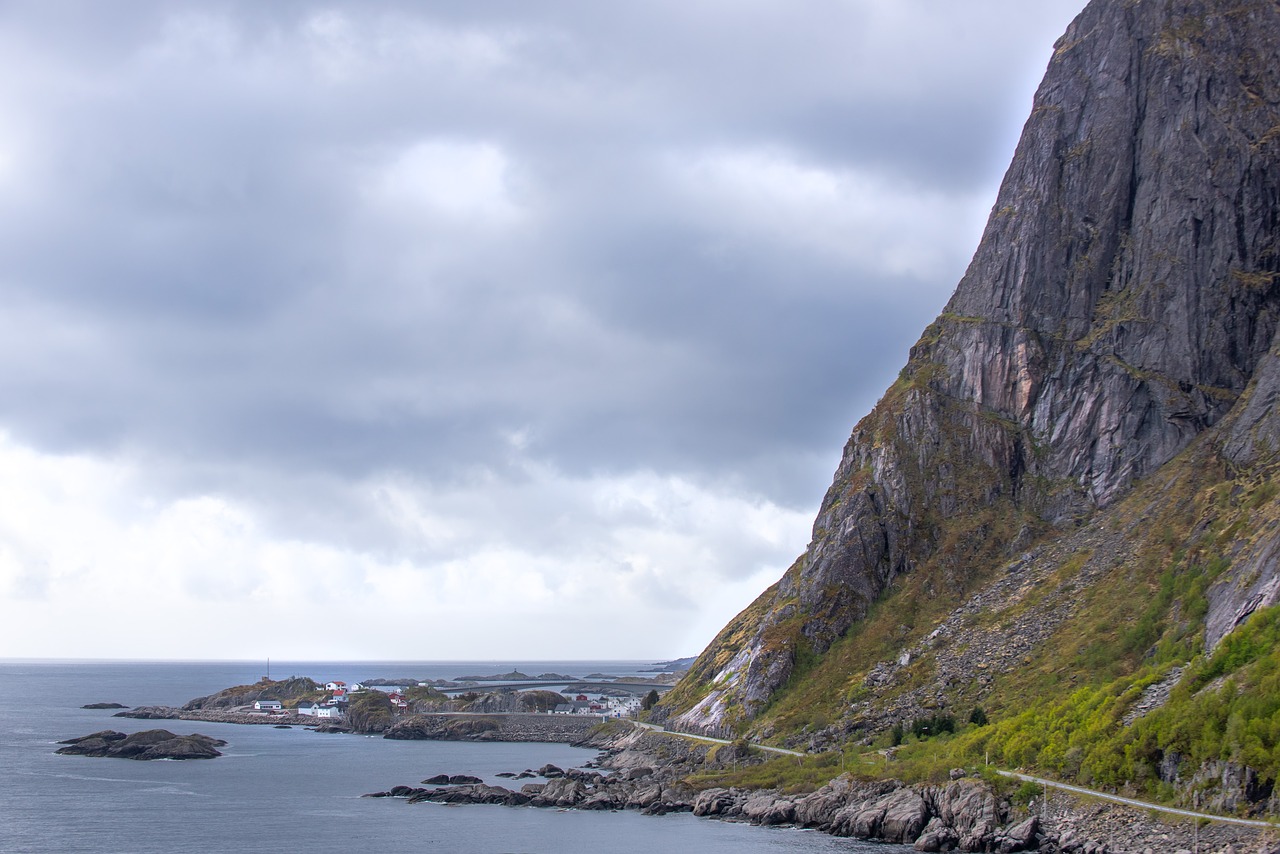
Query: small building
<point>623,705</point>
<point>331,712</point>
<point>576,707</point>
<point>336,686</point>
<point>309,709</point>
<point>268,705</point>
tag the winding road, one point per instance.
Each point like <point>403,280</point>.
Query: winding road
<point>657,728</point>
<point>1052,784</point>
<point>1080,790</point>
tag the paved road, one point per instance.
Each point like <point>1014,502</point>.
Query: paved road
<point>1080,790</point>
<point>657,728</point>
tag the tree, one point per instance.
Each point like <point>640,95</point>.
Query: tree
<point>650,700</point>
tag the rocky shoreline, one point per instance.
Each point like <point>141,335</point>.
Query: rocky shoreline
<point>646,771</point>
<point>171,713</point>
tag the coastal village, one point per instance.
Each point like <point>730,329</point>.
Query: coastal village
<point>340,695</point>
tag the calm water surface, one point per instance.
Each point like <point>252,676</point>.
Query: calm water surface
<point>295,790</point>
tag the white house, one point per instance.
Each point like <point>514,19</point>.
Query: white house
<point>575,707</point>
<point>267,705</point>
<point>315,710</point>
<point>623,705</point>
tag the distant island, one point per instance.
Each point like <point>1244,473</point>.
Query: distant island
<point>680,665</point>
<point>514,676</point>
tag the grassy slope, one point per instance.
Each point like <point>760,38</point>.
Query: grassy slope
<point>1130,607</point>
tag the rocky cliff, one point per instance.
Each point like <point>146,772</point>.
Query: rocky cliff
<point>1119,314</point>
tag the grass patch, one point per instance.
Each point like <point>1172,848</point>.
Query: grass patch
<point>789,774</point>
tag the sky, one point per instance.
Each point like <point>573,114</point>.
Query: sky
<point>450,331</point>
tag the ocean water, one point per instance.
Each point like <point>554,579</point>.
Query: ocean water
<point>295,790</point>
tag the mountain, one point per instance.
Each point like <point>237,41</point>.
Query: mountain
<point>1071,485</point>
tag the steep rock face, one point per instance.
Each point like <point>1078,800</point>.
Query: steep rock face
<point>1125,292</point>
<point>1251,441</point>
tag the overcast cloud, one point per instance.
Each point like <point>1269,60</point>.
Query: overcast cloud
<point>462,328</point>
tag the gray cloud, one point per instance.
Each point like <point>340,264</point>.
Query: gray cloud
<point>280,252</point>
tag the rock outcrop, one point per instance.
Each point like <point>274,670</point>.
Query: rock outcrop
<point>498,727</point>
<point>1123,300</point>
<point>150,744</point>
<point>218,715</point>
<point>287,691</point>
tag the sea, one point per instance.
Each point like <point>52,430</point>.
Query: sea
<point>295,790</point>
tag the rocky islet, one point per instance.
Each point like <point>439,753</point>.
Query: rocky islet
<point>146,745</point>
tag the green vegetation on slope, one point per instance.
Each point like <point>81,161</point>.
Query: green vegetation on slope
<point>290,692</point>
<point>792,775</point>
<point>1226,707</point>
<point>369,711</point>
<point>1129,609</point>
<point>424,696</point>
